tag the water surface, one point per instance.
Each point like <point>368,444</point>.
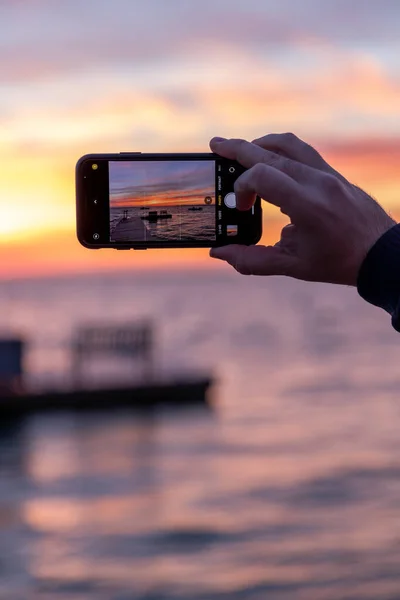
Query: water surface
<point>288,489</point>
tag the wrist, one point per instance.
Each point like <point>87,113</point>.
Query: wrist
<point>378,281</point>
<point>376,232</point>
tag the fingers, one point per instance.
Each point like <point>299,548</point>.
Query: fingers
<point>290,146</point>
<point>273,186</point>
<point>249,154</point>
<point>289,240</point>
<point>288,231</point>
<point>258,260</point>
<point>244,152</point>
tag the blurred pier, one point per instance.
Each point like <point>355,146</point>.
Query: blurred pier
<point>132,344</point>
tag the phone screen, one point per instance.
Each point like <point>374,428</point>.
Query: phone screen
<point>145,201</point>
<point>157,201</point>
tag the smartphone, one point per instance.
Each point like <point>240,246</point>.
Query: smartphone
<point>140,201</point>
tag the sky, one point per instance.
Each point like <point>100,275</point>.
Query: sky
<point>89,76</point>
<point>146,183</point>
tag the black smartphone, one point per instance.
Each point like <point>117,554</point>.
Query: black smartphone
<point>134,200</point>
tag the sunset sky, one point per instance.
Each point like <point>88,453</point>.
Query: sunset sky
<point>146,183</point>
<point>91,76</point>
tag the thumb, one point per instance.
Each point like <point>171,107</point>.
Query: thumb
<point>259,260</point>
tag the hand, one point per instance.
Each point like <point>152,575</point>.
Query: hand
<point>333,223</point>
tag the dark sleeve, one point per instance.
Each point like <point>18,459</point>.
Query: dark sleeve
<point>379,277</point>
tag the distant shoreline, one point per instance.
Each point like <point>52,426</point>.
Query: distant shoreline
<point>161,206</point>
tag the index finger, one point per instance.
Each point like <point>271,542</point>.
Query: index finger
<point>249,154</point>
<point>275,187</point>
<point>293,147</point>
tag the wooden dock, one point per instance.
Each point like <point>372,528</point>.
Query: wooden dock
<point>132,229</point>
<point>130,342</point>
<point>184,392</point>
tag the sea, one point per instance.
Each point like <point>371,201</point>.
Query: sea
<point>288,487</point>
<point>184,224</point>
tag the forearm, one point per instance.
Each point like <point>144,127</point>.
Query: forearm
<point>379,276</point>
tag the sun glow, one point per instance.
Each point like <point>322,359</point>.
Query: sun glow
<point>62,100</point>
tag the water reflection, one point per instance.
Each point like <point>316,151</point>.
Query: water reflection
<point>99,507</point>
<point>289,490</point>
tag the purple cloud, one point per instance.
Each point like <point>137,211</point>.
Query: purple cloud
<point>45,39</point>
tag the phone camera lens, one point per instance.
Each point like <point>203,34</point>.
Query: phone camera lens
<point>96,236</point>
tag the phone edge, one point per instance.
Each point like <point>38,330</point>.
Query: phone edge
<point>122,156</point>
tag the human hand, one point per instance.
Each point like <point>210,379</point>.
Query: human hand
<point>333,223</point>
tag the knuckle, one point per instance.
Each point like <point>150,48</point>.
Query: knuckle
<point>258,169</point>
<point>278,161</point>
<point>307,149</point>
<point>239,142</point>
<point>291,143</point>
<point>289,138</point>
<point>310,149</point>
<point>262,139</point>
<point>257,172</point>
<point>244,181</point>
<point>331,183</point>
<point>240,184</point>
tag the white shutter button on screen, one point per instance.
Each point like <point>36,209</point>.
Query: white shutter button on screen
<point>230,200</point>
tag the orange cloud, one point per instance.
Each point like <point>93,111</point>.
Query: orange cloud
<point>350,93</point>
<point>371,163</point>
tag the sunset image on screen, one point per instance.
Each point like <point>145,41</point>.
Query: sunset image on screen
<point>162,200</point>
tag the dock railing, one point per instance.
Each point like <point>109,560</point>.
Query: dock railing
<point>134,341</point>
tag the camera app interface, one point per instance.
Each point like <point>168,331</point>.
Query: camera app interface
<point>162,201</point>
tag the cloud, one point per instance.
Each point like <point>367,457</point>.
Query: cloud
<point>46,39</point>
<point>158,75</point>
<point>135,181</point>
<point>345,94</point>
<point>356,21</point>
<point>368,160</point>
